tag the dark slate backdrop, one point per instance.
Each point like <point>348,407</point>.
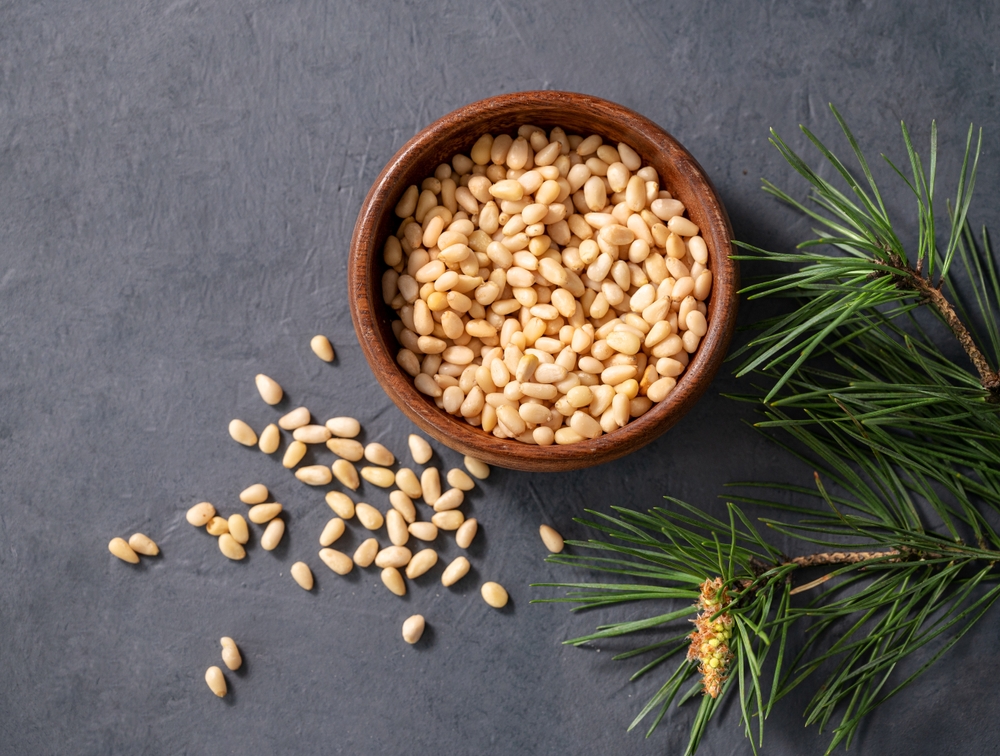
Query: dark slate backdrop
<point>178,185</point>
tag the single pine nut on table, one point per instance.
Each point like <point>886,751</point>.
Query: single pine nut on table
<point>272,534</point>
<point>231,654</point>
<point>494,594</point>
<point>540,271</point>
<point>143,544</point>
<point>302,575</point>
<point>413,628</point>
<point>216,681</point>
<point>120,548</point>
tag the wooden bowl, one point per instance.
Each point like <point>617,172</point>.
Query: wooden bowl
<point>456,132</point>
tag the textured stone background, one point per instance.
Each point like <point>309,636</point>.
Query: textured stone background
<point>178,185</point>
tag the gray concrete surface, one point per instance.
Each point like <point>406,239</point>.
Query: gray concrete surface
<point>178,185</point>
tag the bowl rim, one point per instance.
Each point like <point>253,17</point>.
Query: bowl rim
<point>365,267</point>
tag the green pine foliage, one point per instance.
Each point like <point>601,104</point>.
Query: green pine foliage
<point>898,545</point>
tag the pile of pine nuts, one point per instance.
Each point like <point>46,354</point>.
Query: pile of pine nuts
<point>548,288</point>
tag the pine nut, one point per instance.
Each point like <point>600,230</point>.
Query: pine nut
<point>403,504</point>
<point>408,483</point>
<point>338,561</point>
<point>200,514</point>
<point>450,499</point>
<point>341,504</point>
<point>270,439</point>
<point>346,448</point>
<point>494,595</point>
<point>333,530</point>
<point>231,654</point>
<point>393,581</point>
<point>255,494</point>
<point>242,433</point>
<point>424,531</point>
<point>455,571</point>
<point>430,485</point>
<point>314,475</point>
<point>459,479</point>
<point>294,454</point>
<point>270,389</point>
<point>346,473</point>
<point>238,529</point>
<point>368,516</point>
<point>302,575</point>
<point>321,345</point>
<point>466,532</point>
<point>217,526</point>
<point>451,519</point>
<point>272,534</point>
<point>143,544</point>
<point>413,628</point>
<point>364,555</point>
<point>421,562</point>
<point>216,681</point>
<point>295,419</point>
<point>395,526</point>
<point>477,467</point>
<point>231,548</point>
<point>393,556</point>
<point>261,513</point>
<point>343,427</point>
<point>551,538</point>
<point>379,455</point>
<point>420,450</point>
<point>378,476</point>
<point>312,434</point>
<point>120,548</point>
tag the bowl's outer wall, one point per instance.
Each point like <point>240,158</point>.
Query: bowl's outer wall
<point>457,132</point>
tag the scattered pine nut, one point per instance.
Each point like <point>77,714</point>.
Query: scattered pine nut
<point>270,439</point>
<point>346,448</point>
<point>346,473</point>
<point>455,571</point>
<point>143,544</point>
<point>368,516</point>
<point>421,562</point>
<point>341,504</point>
<point>366,553</point>
<point>312,434</point>
<point>255,494</point>
<point>420,450</point>
<point>337,561</point>
<point>322,348</point>
<point>343,427</point>
<point>424,531</point>
<point>217,526</point>
<point>466,532</point>
<point>295,419</point>
<point>430,485</point>
<point>494,595</point>
<point>395,526</point>
<point>294,454</point>
<point>334,529</point>
<point>403,504</point>
<point>272,534</point>
<point>413,628</point>
<point>551,538</point>
<point>449,520</point>
<point>261,513</point>
<point>120,548</point>
<point>216,681</point>
<point>270,389</point>
<point>302,575</point>
<point>408,483</point>
<point>460,479</point>
<point>477,467</point>
<point>379,455</point>
<point>230,548</point>
<point>394,581</point>
<point>242,433</point>
<point>382,477</point>
<point>450,499</point>
<point>314,475</point>
<point>231,654</point>
<point>238,529</point>
<point>393,556</point>
<point>200,514</point>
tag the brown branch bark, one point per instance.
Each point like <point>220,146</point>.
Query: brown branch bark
<point>839,557</point>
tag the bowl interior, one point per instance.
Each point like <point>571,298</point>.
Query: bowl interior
<point>457,132</point>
